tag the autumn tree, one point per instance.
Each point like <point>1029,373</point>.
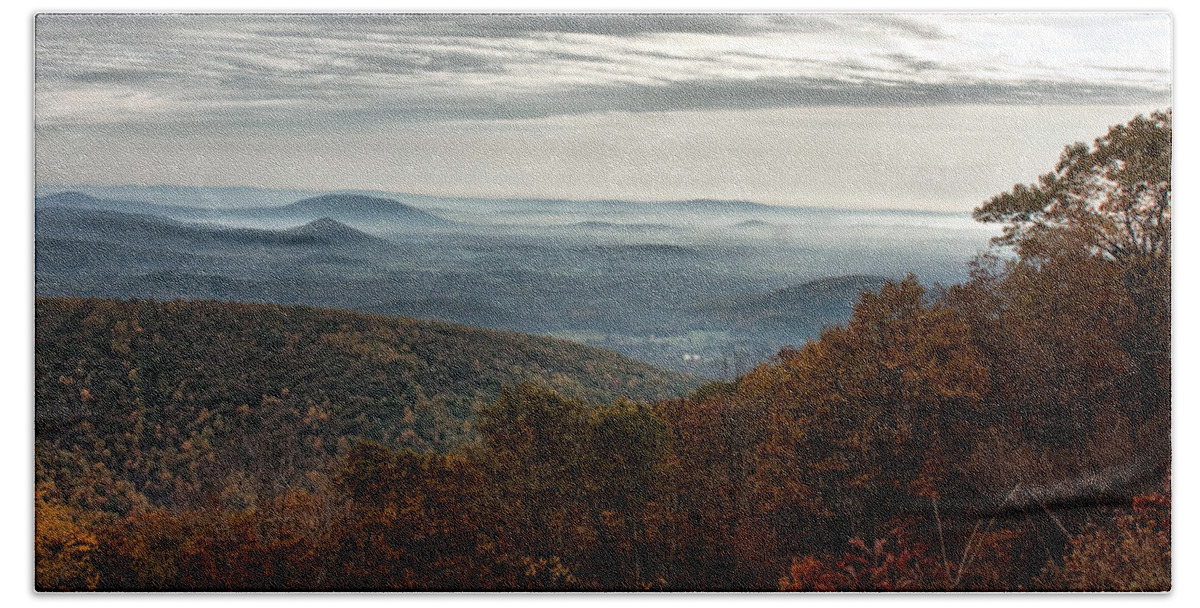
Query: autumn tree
<point>537,460</point>
<point>1109,203</point>
<point>867,422</point>
<point>1130,552</point>
<point>892,563</point>
<point>1115,196</point>
<point>574,487</point>
<point>1071,314</point>
<point>63,548</point>
<point>719,538</point>
<point>626,439</point>
<point>412,522</point>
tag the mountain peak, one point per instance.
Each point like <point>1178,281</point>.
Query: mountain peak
<point>329,228</point>
<point>324,224</point>
<point>361,208</point>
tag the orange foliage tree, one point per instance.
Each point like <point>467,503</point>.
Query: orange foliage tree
<point>867,418</point>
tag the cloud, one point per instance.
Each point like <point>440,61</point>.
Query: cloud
<point>905,25</point>
<point>775,92</point>
<point>262,68</point>
<point>430,62</point>
<point>593,24</point>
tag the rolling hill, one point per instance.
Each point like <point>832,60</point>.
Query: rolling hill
<point>169,393</point>
<point>349,208</point>
<point>796,313</point>
<point>98,230</point>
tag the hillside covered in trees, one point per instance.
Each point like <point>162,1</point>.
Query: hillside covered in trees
<point>1010,432</point>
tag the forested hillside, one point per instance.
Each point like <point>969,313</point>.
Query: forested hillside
<point>1011,432</point>
<point>177,397</point>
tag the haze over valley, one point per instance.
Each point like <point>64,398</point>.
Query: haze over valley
<point>706,287</point>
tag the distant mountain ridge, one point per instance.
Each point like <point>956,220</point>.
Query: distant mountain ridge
<point>687,284</point>
<point>210,199</point>
<point>844,288</point>
<point>648,249</point>
<point>69,199</point>
<point>144,230</point>
<point>712,204</point>
<point>354,208</point>
<point>795,313</point>
<point>207,197</point>
<point>79,200</point>
<point>344,208</point>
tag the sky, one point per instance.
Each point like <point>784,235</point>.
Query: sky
<point>930,111</point>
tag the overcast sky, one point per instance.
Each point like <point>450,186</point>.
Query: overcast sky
<point>932,111</point>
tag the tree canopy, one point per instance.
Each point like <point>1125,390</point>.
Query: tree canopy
<point>1114,197</point>
<point>1101,221</point>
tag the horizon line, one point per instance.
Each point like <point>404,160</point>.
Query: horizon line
<point>62,188</point>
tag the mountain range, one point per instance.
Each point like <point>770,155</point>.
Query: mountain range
<point>679,284</point>
<point>345,208</point>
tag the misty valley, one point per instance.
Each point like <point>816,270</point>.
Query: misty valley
<point>705,287</point>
